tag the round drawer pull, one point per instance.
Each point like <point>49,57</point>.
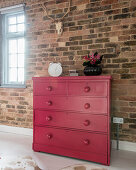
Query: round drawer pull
<point>49,88</point>
<point>87,106</point>
<point>49,136</point>
<point>86,89</point>
<point>86,142</point>
<point>49,103</point>
<point>48,118</point>
<point>86,123</point>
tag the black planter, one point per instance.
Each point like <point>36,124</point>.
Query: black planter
<point>92,70</point>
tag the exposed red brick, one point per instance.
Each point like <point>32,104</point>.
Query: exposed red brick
<point>80,2</point>
<point>106,26</point>
<point>105,2</point>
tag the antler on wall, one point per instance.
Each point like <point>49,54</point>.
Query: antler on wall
<point>58,22</point>
<point>46,10</point>
<point>67,11</point>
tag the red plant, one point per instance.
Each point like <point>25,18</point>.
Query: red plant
<point>92,59</point>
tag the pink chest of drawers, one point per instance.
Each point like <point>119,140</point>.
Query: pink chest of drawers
<point>72,117</point>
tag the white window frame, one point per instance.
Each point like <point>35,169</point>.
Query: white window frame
<point>6,12</point>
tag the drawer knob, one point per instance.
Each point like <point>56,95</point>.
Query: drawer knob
<point>86,89</point>
<point>87,106</point>
<point>49,103</point>
<point>86,142</point>
<point>49,136</point>
<point>86,122</point>
<point>48,118</point>
<point>49,88</point>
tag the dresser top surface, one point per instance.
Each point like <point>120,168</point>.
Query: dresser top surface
<point>74,78</point>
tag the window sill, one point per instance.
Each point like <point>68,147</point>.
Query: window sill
<point>13,86</point>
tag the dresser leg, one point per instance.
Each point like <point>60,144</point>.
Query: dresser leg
<point>35,150</point>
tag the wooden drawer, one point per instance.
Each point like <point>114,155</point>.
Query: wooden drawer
<point>51,88</point>
<point>72,120</point>
<point>81,104</point>
<point>87,88</point>
<point>75,140</point>
<point>95,157</point>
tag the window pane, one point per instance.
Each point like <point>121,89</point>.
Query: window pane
<point>20,27</point>
<point>20,75</point>
<point>21,45</point>
<point>12,46</point>
<point>13,75</point>
<point>20,18</point>
<point>13,60</point>
<point>15,48</point>
<point>20,60</point>
<point>12,28</point>
<point>12,20</point>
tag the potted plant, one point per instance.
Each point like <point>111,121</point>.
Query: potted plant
<point>92,64</point>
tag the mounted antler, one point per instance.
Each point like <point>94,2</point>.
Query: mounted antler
<point>45,9</point>
<point>58,22</point>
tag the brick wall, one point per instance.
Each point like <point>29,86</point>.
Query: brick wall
<point>106,26</point>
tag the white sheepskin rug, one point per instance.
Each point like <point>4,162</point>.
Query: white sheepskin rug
<point>18,163</point>
<point>83,167</point>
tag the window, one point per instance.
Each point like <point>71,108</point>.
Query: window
<point>13,40</point>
